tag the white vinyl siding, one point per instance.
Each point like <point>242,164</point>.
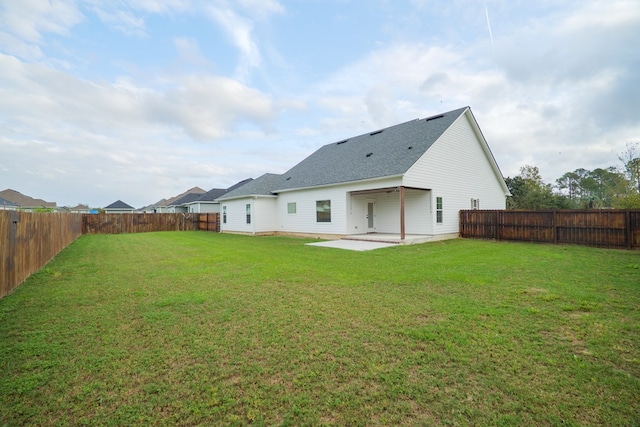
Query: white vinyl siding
<point>342,214</point>
<point>262,210</point>
<point>387,212</point>
<point>457,168</point>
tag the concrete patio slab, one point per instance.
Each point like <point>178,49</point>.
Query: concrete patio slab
<point>353,245</point>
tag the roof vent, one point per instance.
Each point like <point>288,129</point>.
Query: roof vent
<point>439,116</point>
<point>341,142</point>
<point>410,147</point>
<point>369,154</point>
<point>376,132</point>
<point>288,178</point>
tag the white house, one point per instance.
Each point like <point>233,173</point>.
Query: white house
<point>408,179</point>
<point>207,202</point>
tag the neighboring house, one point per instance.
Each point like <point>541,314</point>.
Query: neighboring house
<point>180,205</point>
<point>7,205</point>
<point>163,205</point>
<point>80,209</point>
<point>208,203</point>
<point>119,207</point>
<point>412,178</point>
<point>26,203</point>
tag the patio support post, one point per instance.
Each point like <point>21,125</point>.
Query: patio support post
<point>401,212</point>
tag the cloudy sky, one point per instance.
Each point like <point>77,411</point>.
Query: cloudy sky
<point>140,100</point>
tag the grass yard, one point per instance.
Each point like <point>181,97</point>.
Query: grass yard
<point>193,328</point>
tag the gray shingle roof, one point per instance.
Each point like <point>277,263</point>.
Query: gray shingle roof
<point>261,186</point>
<point>386,152</point>
<point>216,193</point>
<point>119,204</point>
<point>211,195</point>
<point>187,198</point>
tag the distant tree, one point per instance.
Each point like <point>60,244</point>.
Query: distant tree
<point>569,182</point>
<point>592,189</point>
<point>529,191</point>
<point>631,162</point>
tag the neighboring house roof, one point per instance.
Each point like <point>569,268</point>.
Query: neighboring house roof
<point>171,201</point>
<point>187,198</point>
<point>261,186</point>
<point>5,202</point>
<point>119,204</point>
<point>25,201</point>
<point>386,152</point>
<point>215,193</point>
<point>239,184</point>
<point>211,195</point>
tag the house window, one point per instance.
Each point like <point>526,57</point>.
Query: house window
<point>248,208</point>
<point>323,211</point>
<point>224,214</point>
<point>475,204</point>
<point>291,207</point>
<point>439,210</point>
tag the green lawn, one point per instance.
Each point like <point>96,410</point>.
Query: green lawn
<point>193,328</point>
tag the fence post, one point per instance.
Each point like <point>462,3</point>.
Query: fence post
<point>499,220</point>
<point>628,234</point>
<point>555,227</point>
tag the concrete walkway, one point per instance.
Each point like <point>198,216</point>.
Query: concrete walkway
<point>353,245</point>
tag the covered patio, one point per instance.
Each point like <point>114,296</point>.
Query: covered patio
<point>389,216</point>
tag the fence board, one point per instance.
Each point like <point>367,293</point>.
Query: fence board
<point>602,228</point>
<point>29,240</point>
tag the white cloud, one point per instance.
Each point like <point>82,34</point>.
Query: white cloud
<point>261,9</point>
<point>596,15</point>
<point>204,107</point>
<point>28,19</point>
<point>124,21</point>
<point>239,30</point>
<point>207,107</point>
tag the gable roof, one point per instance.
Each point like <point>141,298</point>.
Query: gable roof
<point>386,152</point>
<point>25,201</point>
<point>119,204</point>
<point>261,186</point>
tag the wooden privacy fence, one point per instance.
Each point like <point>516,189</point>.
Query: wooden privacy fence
<point>138,223</point>
<point>29,240</point>
<point>602,228</point>
<point>209,222</point>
